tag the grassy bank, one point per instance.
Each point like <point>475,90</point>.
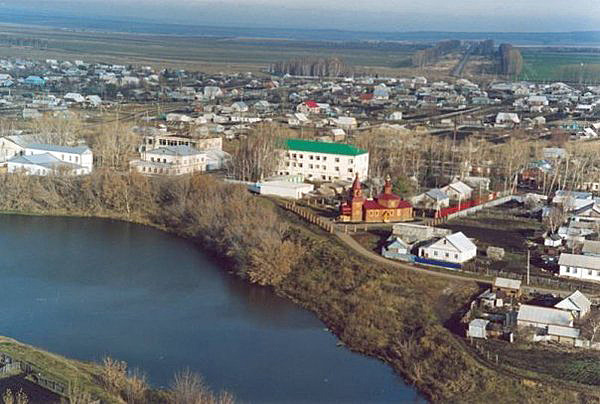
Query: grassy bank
<point>400,317</point>
<point>76,374</point>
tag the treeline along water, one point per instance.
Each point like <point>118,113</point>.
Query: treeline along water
<point>86,288</point>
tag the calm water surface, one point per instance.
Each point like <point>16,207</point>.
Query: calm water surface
<point>86,288</point>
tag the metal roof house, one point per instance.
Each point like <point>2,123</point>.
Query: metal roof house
<point>584,267</point>
<point>455,248</point>
<point>577,304</point>
<point>542,317</point>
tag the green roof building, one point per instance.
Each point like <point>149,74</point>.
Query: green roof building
<point>323,147</point>
<point>321,161</point>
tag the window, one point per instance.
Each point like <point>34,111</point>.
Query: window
<point>590,272</point>
<point>324,177</point>
<point>152,159</point>
<point>324,158</point>
<point>456,256</point>
<point>310,166</point>
<point>337,159</point>
<point>447,255</point>
<point>294,155</point>
<point>435,253</point>
<point>350,170</point>
<point>76,159</point>
<point>300,165</point>
<point>287,164</point>
<point>310,157</point>
<point>351,161</point>
<point>318,157</point>
<point>567,270</point>
<point>337,169</point>
<point>302,156</point>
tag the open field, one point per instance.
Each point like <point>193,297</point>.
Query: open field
<point>201,53</point>
<point>558,65</point>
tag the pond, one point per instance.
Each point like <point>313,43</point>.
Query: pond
<point>86,288</point>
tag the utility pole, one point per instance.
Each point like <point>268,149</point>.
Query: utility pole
<point>528,264</point>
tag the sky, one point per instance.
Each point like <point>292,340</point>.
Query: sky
<point>353,15</point>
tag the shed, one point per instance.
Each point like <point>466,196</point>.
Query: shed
<point>477,328</point>
<point>509,287</point>
<point>563,334</point>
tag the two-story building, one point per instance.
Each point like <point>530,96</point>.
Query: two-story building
<point>170,160</point>
<point>320,161</point>
<point>77,155</point>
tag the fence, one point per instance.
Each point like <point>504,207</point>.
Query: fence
<point>310,217</point>
<point>436,263</point>
<point>32,373</point>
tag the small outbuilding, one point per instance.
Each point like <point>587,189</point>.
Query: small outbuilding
<point>508,287</point>
<point>478,328</point>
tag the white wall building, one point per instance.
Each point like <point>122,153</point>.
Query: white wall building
<point>579,266</point>
<point>170,160</point>
<point>455,248</point>
<point>43,164</point>
<point>319,161</point>
<point>78,155</point>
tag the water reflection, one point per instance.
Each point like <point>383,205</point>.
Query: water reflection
<point>88,288</point>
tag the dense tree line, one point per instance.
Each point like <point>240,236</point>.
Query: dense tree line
<point>241,228</point>
<point>432,55</point>
<point>18,41</point>
<point>311,66</point>
<point>485,48</point>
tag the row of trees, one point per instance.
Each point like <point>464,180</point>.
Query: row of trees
<point>511,61</point>
<point>432,55</point>
<point>244,230</point>
<point>311,66</point>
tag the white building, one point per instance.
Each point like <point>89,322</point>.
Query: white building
<point>576,303</point>
<point>170,160</point>
<point>321,161</point>
<point>455,248</point>
<point>458,190</point>
<point>79,155</point>
<point>579,266</point>
<point>43,164</point>
<point>285,189</point>
<point>542,317</point>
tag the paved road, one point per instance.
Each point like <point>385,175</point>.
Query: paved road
<point>458,70</point>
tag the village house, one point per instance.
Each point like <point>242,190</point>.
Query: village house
<point>320,161</point>
<point>583,267</point>
<point>434,199</point>
<point>385,207</point>
<point>170,160</point>
<point>455,248</point>
<point>542,317</point>
<point>576,303</point>
<point>395,248</point>
<point>458,191</point>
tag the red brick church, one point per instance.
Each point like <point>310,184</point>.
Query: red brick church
<point>385,207</point>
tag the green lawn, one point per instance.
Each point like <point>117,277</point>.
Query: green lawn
<point>560,66</point>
